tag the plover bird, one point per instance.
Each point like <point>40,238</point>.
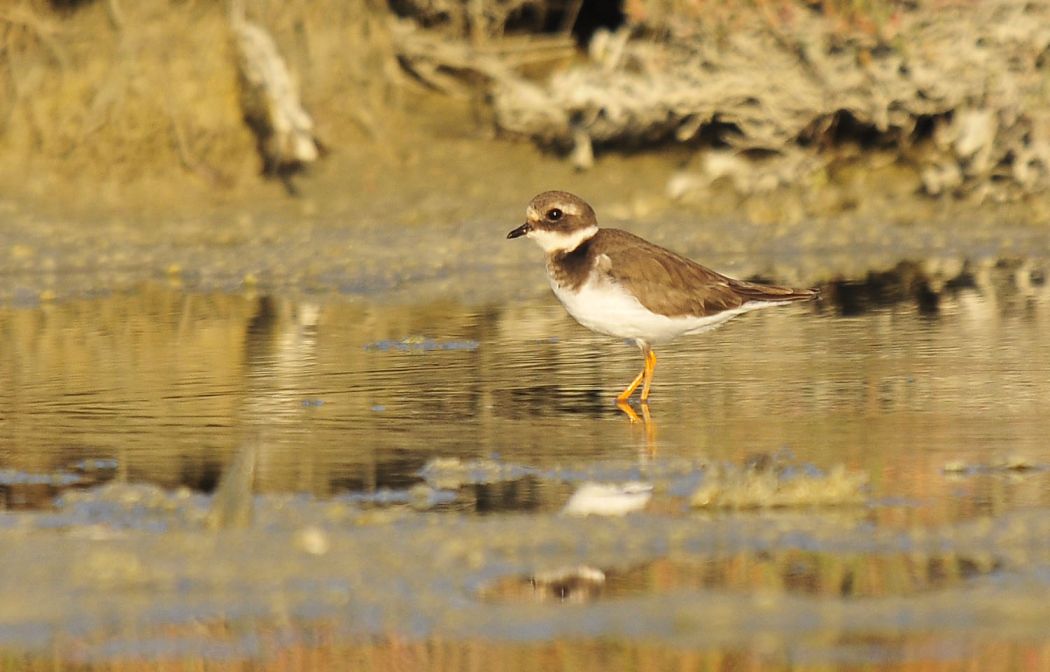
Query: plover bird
<point>618,284</point>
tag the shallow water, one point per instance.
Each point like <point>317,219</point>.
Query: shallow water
<point>350,395</point>
<point>378,431</point>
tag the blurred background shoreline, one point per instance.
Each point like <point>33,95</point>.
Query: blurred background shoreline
<point>774,112</point>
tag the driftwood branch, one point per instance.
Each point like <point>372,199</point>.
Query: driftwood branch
<point>458,67</point>
<point>270,100</point>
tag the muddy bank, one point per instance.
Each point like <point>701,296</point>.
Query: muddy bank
<point>422,212</point>
<point>429,219</point>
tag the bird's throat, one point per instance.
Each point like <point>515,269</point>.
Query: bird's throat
<point>562,242</point>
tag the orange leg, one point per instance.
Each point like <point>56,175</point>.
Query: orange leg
<point>626,394</point>
<point>650,366</point>
<point>646,377</point>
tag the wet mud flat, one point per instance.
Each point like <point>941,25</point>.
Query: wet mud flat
<point>862,482</point>
<point>449,244</point>
<point>128,573</point>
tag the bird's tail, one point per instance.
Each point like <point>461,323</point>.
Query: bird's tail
<point>758,292</point>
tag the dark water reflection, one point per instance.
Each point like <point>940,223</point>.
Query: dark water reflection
<point>897,374</point>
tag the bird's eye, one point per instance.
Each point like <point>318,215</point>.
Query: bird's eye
<point>554,214</point>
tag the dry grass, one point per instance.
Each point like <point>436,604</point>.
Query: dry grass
<point>394,654</point>
<point>121,91</point>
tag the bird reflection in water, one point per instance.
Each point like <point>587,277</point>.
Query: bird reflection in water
<point>645,420</point>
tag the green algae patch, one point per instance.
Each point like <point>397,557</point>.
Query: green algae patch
<point>1001,464</point>
<point>734,487</point>
<point>761,482</point>
<point>452,472</point>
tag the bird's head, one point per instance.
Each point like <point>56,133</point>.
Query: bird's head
<point>558,221</point>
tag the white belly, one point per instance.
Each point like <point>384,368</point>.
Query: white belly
<point>607,309</point>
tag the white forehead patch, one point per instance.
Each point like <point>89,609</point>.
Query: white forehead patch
<point>570,209</point>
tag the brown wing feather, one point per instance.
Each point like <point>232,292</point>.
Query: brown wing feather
<point>670,284</point>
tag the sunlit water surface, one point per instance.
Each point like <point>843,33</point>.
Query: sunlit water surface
<point>937,394</point>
